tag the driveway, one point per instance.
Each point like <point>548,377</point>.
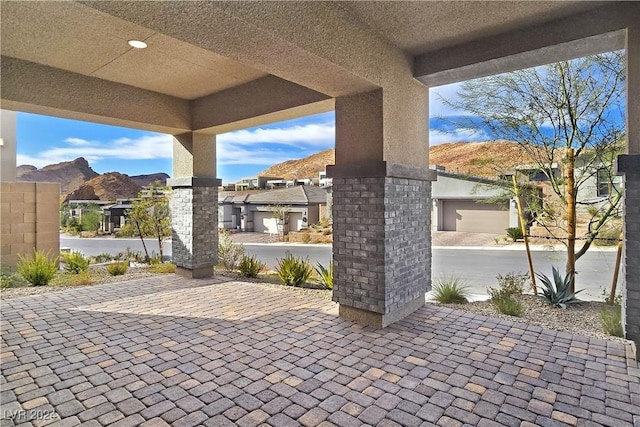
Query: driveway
<point>212,352</point>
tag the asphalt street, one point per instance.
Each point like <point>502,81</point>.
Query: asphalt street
<point>477,267</point>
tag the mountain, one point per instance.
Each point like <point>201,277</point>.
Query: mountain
<point>146,180</point>
<point>302,168</point>
<point>108,186</point>
<point>472,158</point>
<point>70,175</point>
<point>483,159</point>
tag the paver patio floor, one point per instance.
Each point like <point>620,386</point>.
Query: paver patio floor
<point>170,351</point>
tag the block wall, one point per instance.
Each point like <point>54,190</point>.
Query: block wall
<point>29,220</point>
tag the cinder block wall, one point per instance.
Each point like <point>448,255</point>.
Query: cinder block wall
<point>29,220</point>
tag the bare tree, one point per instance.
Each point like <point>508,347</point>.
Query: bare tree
<point>568,113</point>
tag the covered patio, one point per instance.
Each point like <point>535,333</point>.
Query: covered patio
<point>214,67</point>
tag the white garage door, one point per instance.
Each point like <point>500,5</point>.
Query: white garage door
<point>469,216</point>
<point>264,222</point>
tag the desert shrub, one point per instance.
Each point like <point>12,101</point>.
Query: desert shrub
<point>229,254</point>
<point>327,232</point>
<point>118,268</point>
<point>506,304</point>
<point>450,290</point>
<point>163,268</point>
<point>11,280</point>
<point>611,320</point>
<point>306,237</point>
<point>39,269</point>
<point>103,257</point>
<point>558,292</point>
<point>294,271</point>
<point>324,222</point>
<point>510,284</point>
<point>326,275</point>
<point>72,279</point>
<point>250,266</point>
<point>515,233</point>
<point>74,262</point>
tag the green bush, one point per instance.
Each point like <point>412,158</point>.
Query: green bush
<point>611,321</point>
<point>294,271</point>
<point>39,269</point>
<point>510,284</point>
<point>250,266</point>
<point>164,268</point>
<point>515,233</point>
<point>118,268</point>
<point>11,280</point>
<point>229,254</point>
<point>558,293</point>
<point>326,275</point>
<point>506,304</point>
<point>75,262</point>
<point>450,290</point>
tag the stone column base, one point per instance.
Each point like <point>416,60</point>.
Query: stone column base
<point>377,320</point>
<point>196,273</point>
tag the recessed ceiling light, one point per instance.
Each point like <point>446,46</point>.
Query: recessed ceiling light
<point>138,44</point>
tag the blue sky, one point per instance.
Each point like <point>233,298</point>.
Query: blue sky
<point>44,140</point>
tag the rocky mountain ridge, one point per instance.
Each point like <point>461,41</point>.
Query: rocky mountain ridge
<point>78,181</point>
<point>484,159</point>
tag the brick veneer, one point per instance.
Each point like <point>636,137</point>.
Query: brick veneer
<point>630,165</point>
<point>194,219</point>
<point>381,247</point>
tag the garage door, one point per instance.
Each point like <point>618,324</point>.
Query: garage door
<point>469,216</point>
<point>264,222</point>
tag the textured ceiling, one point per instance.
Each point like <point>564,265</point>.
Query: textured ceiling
<point>200,48</point>
<point>77,38</point>
<point>419,26</point>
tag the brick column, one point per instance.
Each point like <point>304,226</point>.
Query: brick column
<point>194,220</point>
<point>629,165</point>
<point>382,241</point>
<point>194,204</point>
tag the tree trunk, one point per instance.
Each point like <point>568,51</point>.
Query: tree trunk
<point>571,218</point>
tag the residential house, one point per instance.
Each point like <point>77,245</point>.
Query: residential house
<point>274,212</point>
<point>471,204</point>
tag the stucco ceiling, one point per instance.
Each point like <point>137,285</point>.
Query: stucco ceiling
<point>419,26</point>
<point>80,39</point>
<point>91,38</point>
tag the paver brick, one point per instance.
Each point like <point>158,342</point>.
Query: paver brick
<point>134,366</point>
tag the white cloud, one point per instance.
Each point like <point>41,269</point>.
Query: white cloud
<point>144,147</point>
<point>437,137</point>
<point>234,148</point>
<point>322,135</point>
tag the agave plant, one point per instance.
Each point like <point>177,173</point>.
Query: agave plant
<point>558,293</point>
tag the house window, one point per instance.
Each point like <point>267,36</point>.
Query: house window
<point>606,182</point>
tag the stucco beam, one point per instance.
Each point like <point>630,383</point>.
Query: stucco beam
<point>262,101</point>
<point>596,31</point>
<point>40,89</point>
